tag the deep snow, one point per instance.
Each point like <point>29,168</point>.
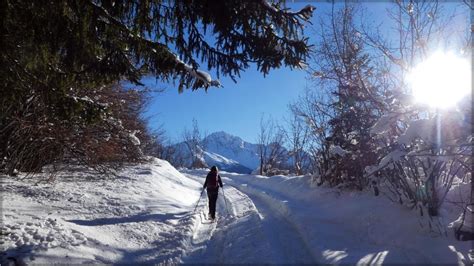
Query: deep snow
<point>145,215</point>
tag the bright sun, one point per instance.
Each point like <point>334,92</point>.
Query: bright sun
<point>441,80</point>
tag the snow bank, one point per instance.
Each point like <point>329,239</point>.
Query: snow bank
<point>142,215</point>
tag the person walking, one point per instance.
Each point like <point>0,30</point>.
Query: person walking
<point>212,183</point>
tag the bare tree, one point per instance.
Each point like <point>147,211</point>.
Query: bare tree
<point>277,154</point>
<point>422,177</point>
<point>297,137</point>
<point>175,156</point>
<point>263,140</point>
<point>271,150</point>
<point>419,25</point>
<point>193,141</point>
<point>154,144</point>
<point>313,109</point>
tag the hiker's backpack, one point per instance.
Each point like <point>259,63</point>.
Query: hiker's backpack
<point>212,180</point>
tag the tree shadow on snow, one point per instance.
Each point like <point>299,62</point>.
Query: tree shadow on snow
<point>142,217</point>
<point>16,256</point>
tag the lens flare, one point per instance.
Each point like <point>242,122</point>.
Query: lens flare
<point>441,80</point>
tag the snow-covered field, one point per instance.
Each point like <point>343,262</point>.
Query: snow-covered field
<point>145,215</point>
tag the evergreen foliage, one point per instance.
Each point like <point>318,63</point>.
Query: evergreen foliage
<point>351,104</point>
<point>56,52</point>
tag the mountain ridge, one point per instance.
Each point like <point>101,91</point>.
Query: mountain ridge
<point>228,152</point>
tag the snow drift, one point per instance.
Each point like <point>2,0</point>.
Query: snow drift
<point>142,215</point>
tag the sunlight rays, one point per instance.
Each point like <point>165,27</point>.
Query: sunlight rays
<point>441,80</point>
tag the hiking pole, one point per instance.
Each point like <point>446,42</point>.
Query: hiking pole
<point>223,195</point>
<point>202,191</point>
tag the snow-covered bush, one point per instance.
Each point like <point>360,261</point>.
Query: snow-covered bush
<point>420,152</point>
<point>464,226</point>
<point>426,158</point>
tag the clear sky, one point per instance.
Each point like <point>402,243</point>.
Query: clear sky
<point>237,107</point>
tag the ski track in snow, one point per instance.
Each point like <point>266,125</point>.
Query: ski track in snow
<point>252,232</point>
<point>267,227</point>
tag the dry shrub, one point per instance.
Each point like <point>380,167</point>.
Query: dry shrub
<point>101,131</point>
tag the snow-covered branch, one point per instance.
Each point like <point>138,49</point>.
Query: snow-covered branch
<point>196,73</point>
<point>337,150</point>
<point>199,74</point>
<point>305,13</point>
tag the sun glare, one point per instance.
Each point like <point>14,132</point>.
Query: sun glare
<point>441,80</point>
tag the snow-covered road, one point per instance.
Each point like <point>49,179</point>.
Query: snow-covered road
<point>280,222</point>
<point>145,215</point>
<point>251,232</point>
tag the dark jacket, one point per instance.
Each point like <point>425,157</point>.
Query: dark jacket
<point>210,181</point>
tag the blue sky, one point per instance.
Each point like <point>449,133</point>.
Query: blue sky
<point>237,107</point>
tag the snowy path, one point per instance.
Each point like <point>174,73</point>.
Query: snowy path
<point>253,232</point>
<point>280,222</point>
<point>145,215</point>
<point>286,241</point>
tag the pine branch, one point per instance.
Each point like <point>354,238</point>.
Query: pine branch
<point>305,13</point>
<point>200,75</point>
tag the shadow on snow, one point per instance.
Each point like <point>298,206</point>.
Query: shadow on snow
<point>142,217</point>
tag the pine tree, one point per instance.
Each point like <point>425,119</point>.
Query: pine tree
<point>352,84</point>
<point>54,53</point>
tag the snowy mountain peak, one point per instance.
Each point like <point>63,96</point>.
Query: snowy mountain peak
<point>228,152</point>
<point>222,135</point>
<point>233,147</point>
<point>224,138</point>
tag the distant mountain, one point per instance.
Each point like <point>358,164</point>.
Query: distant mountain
<point>228,152</point>
<point>225,164</point>
<point>233,148</point>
